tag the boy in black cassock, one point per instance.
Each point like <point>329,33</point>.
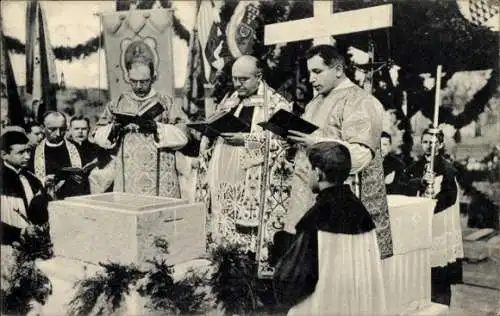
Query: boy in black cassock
<point>447,249</point>
<point>24,201</point>
<point>394,168</point>
<point>334,265</point>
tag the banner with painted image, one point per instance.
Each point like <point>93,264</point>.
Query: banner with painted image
<point>139,32</point>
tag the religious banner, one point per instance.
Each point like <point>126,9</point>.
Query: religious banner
<point>11,110</point>
<point>481,12</point>
<point>241,31</point>
<point>41,74</point>
<point>139,32</point>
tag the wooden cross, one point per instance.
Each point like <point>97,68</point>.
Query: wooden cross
<point>324,24</point>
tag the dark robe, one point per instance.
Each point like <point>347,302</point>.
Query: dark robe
<point>442,277</point>
<point>337,210</point>
<point>54,159</point>
<point>36,208</point>
<point>393,164</point>
<point>447,196</point>
<point>88,151</point>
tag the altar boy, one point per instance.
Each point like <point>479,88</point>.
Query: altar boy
<point>447,248</point>
<point>24,201</point>
<point>334,261</point>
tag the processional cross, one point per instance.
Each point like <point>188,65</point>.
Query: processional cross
<point>321,28</point>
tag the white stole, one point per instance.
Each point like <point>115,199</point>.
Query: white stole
<point>39,160</point>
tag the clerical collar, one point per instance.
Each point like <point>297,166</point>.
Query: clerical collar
<point>346,83</point>
<point>8,165</point>
<point>49,144</point>
<point>138,98</point>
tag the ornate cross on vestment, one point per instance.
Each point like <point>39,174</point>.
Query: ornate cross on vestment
<point>321,28</point>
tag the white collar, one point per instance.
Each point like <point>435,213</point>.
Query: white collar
<point>137,98</point>
<point>8,165</point>
<point>49,144</point>
<point>346,83</point>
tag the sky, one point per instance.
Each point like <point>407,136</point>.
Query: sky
<point>74,22</point>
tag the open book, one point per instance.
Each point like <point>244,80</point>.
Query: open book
<point>283,121</point>
<point>77,174</point>
<point>148,112</point>
<point>223,122</point>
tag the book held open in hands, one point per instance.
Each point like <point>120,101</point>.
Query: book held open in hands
<point>75,173</point>
<point>148,112</point>
<point>223,122</point>
<point>281,122</point>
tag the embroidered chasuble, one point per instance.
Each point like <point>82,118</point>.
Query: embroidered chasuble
<point>350,114</point>
<point>230,178</point>
<point>145,160</point>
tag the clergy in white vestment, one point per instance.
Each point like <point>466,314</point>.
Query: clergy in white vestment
<point>232,166</point>
<point>342,111</point>
<point>145,149</point>
<point>335,247</point>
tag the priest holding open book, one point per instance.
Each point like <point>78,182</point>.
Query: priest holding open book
<point>139,127</point>
<point>234,161</point>
<point>342,111</point>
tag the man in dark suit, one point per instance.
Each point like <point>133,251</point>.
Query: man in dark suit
<point>24,200</point>
<point>394,168</point>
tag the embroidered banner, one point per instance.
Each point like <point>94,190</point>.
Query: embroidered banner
<point>139,32</point>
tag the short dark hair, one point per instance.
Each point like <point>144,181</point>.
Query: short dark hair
<point>434,131</point>
<point>333,159</point>
<point>13,137</point>
<point>331,55</point>
<point>79,118</point>
<point>386,135</point>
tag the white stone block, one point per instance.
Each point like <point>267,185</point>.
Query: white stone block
<point>122,228</point>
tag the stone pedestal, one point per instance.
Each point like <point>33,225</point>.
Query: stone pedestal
<point>407,274</point>
<point>122,228</point>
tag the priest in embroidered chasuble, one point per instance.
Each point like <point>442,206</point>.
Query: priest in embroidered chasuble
<point>144,145</point>
<point>232,166</point>
<point>345,112</point>
<point>55,153</point>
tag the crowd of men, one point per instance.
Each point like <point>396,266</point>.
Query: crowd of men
<point>56,159</point>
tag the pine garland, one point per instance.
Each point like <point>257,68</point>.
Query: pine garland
<point>104,293</point>
<point>23,283</point>
<point>91,46</point>
<point>235,284</point>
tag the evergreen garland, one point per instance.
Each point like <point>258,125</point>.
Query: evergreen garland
<point>112,286</point>
<point>235,284</point>
<point>104,293</point>
<point>91,46</point>
<point>23,283</point>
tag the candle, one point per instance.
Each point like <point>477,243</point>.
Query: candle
<point>437,99</point>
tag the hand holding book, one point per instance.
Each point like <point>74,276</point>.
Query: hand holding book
<point>221,123</point>
<point>289,126</point>
<point>301,138</point>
